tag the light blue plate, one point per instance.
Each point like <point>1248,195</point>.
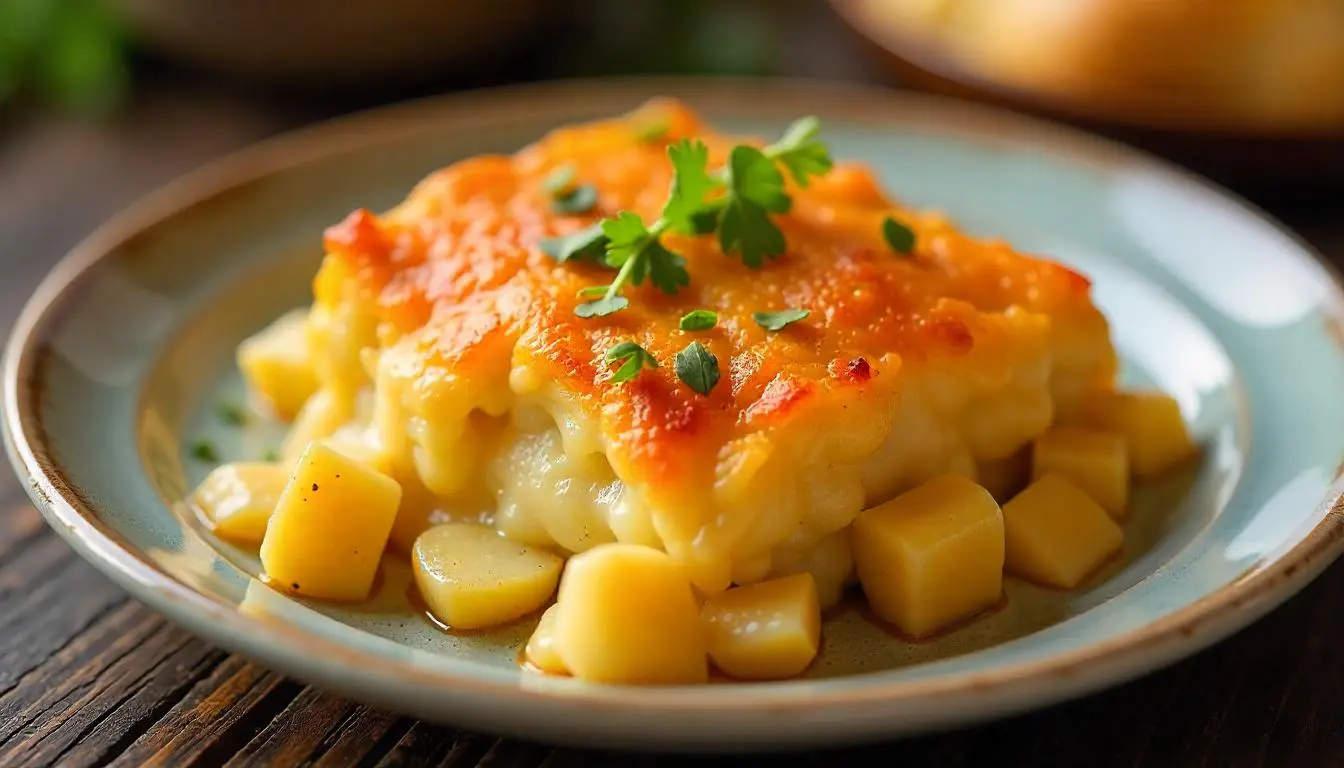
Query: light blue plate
<point>123,353</point>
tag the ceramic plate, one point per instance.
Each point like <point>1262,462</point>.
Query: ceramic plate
<point>118,363</point>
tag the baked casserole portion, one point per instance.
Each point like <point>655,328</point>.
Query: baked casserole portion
<point>448,352</point>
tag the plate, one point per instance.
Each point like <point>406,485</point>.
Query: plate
<point>121,357</point>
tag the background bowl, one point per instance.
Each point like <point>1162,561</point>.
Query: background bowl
<point>1100,64</point>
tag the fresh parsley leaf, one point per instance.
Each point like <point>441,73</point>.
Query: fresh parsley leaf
<point>626,233</point>
<point>691,182</point>
<point>745,228</point>
<point>900,237</point>
<point>602,307</point>
<point>558,180</point>
<point>580,199</point>
<point>705,220</point>
<point>652,130</point>
<point>800,151</point>
<point>752,176</point>
<point>775,321</point>
<point>204,450</point>
<point>587,244</point>
<point>633,359</point>
<point>637,252</point>
<point>664,268</point>
<point>270,455</point>
<point>699,320</point>
<point>593,291</point>
<point>231,414</point>
<point>755,187</point>
<point>697,367</point>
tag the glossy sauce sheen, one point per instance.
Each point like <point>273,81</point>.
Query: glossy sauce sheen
<point>461,256</point>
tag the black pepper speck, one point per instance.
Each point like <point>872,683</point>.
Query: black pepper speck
<point>314,487</point>
<point>295,585</point>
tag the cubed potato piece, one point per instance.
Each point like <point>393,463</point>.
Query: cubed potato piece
<point>765,631</point>
<point>329,527</point>
<point>239,498</point>
<point>627,615</point>
<point>931,556</point>
<point>541,651</point>
<point>1005,478</point>
<point>420,510</point>
<point>1094,461</point>
<point>1151,424</point>
<point>277,366</point>
<point>319,419</point>
<point>1055,534</point>
<point>361,444</point>
<point>472,578</point>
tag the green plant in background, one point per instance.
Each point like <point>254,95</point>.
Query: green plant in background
<point>68,54</point>
<point>679,37</point>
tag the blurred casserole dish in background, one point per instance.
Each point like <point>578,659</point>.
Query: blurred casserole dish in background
<point>1233,82</point>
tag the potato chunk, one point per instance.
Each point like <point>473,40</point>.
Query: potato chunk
<point>765,631</point>
<point>319,419</point>
<point>627,615</point>
<point>277,366</point>
<point>931,556</point>
<point>472,578</point>
<point>1094,461</point>
<point>239,498</point>
<point>1151,424</point>
<point>541,651</point>
<point>1056,534</point>
<point>330,526</point>
<point>1005,478</point>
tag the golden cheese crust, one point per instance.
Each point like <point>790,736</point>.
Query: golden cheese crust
<point>455,280</point>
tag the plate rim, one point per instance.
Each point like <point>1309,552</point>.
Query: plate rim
<point>337,665</point>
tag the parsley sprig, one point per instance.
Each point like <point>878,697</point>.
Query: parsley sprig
<point>633,359</point>
<point>735,202</point>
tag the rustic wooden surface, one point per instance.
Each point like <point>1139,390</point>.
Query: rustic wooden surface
<point>90,677</point>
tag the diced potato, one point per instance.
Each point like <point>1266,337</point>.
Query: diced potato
<point>471,577</point>
<point>627,615</point>
<point>931,556</point>
<point>1094,461</point>
<point>1056,534</point>
<point>765,631</point>
<point>330,526</point>
<point>419,511</point>
<point>239,498</point>
<point>541,651</point>
<point>359,443</point>
<point>1005,478</point>
<point>1151,424</point>
<point>277,366</point>
<point>320,418</point>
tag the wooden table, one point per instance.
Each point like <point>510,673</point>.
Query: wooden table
<point>89,676</point>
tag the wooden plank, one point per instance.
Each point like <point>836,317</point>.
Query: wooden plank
<point>421,746</point>
<point>91,695</point>
<point>297,732</point>
<point>48,598</point>
<point>19,523</point>
<point>222,712</point>
<point>365,736</point>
